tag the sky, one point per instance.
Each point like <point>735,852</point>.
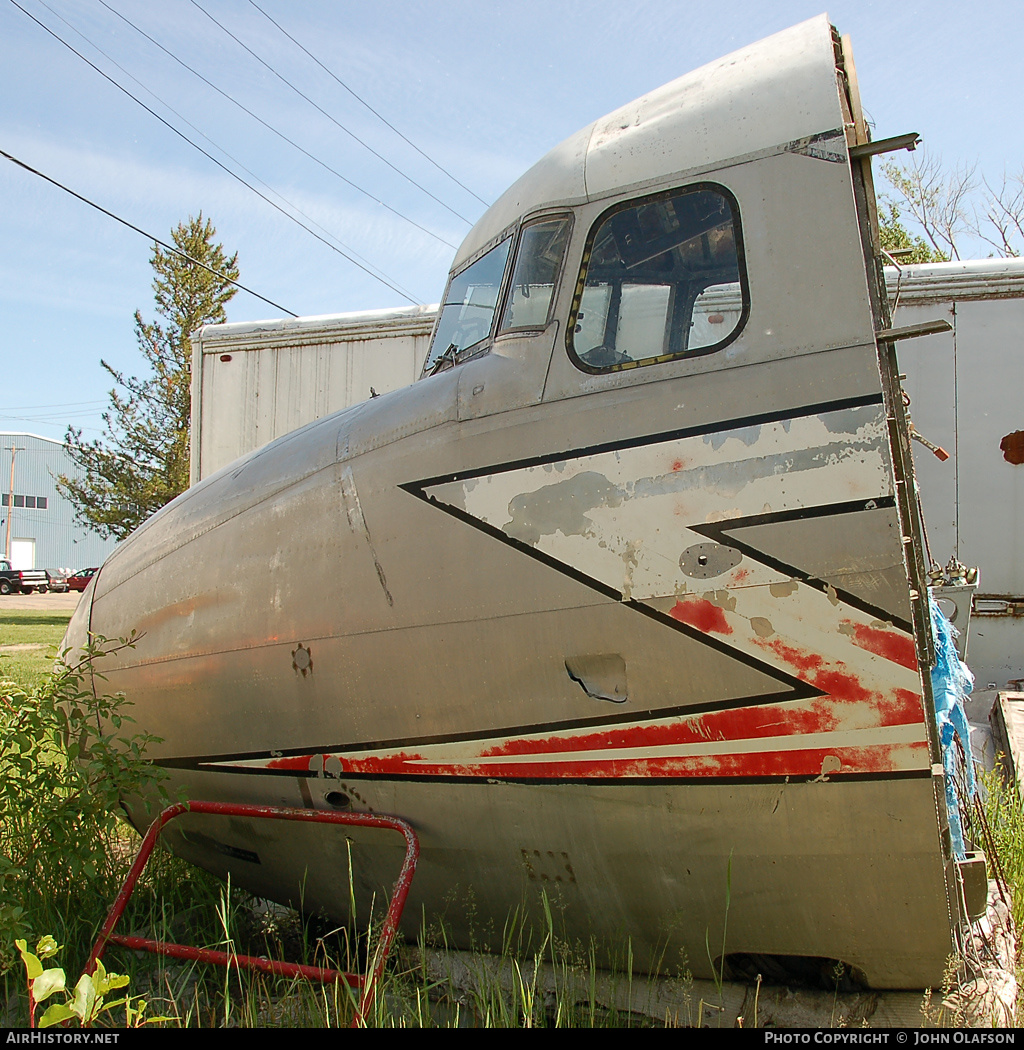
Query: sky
<point>483,89</point>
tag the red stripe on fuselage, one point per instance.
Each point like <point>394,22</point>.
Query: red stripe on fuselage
<point>848,706</point>
<point>892,645</point>
<point>883,758</point>
<point>700,613</point>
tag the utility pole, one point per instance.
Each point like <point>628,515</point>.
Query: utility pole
<point>14,450</point>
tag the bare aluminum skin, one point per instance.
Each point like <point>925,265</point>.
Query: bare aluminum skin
<point>479,602</point>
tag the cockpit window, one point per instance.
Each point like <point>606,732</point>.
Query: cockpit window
<point>538,262</point>
<point>662,278</point>
<point>468,310</point>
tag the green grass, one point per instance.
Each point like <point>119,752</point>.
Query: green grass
<point>40,631</point>
<point>1005,816</point>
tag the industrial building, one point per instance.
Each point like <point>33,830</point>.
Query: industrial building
<point>37,524</point>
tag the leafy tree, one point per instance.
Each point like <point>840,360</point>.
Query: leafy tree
<point>896,238</point>
<point>937,199</point>
<point>948,205</point>
<point>142,460</point>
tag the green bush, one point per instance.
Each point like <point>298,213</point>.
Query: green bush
<point>67,757</point>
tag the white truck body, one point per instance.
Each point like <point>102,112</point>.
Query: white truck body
<point>964,387</point>
<point>256,380</point>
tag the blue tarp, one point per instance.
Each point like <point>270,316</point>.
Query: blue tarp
<point>951,682</point>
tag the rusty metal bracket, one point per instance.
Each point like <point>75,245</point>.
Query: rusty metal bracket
<point>367,982</point>
<point>913,331</point>
<point>889,145</point>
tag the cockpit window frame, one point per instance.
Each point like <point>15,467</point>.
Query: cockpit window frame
<point>568,218</point>
<point>581,283</point>
<point>480,346</point>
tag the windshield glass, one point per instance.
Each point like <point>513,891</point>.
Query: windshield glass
<point>538,262</point>
<point>468,310</point>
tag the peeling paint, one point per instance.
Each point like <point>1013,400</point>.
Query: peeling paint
<point>728,479</point>
<point>835,678</point>
<point>723,599</point>
<point>762,626</point>
<point>560,507</point>
<point>563,506</point>
<point>630,558</point>
<point>783,590</point>
<point>830,593</point>
<point>748,435</point>
<point>614,515</point>
<point>302,660</point>
<point>844,421</point>
<point>1012,447</point>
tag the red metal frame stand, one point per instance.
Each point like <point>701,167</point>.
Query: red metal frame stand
<point>366,982</point>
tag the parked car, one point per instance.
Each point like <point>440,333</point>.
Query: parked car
<point>20,580</point>
<point>56,580</point>
<point>80,580</point>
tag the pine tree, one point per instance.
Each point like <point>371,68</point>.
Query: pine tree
<point>142,460</point>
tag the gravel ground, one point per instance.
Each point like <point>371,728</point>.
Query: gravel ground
<point>46,601</point>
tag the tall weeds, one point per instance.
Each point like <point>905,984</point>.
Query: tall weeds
<point>1005,815</point>
<point>61,777</point>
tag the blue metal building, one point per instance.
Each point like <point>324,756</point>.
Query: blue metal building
<point>39,520</point>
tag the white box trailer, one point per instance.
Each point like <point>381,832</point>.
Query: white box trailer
<point>253,382</point>
<point>256,380</point>
<point>965,391</point>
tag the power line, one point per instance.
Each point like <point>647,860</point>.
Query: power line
<point>280,134</point>
<point>148,236</point>
<point>359,98</point>
<point>22,434</point>
<point>63,404</point>
<point>56,422</point>
<point>209,156</point>
<point>320,109</point>
<point>42,417</point>
<point>53,419</point>
<point>235,160</point>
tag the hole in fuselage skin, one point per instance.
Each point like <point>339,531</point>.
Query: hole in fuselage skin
<point>802,971</point>
<point>338,800</point>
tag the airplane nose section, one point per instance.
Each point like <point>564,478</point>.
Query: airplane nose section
<point>76,637</point>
